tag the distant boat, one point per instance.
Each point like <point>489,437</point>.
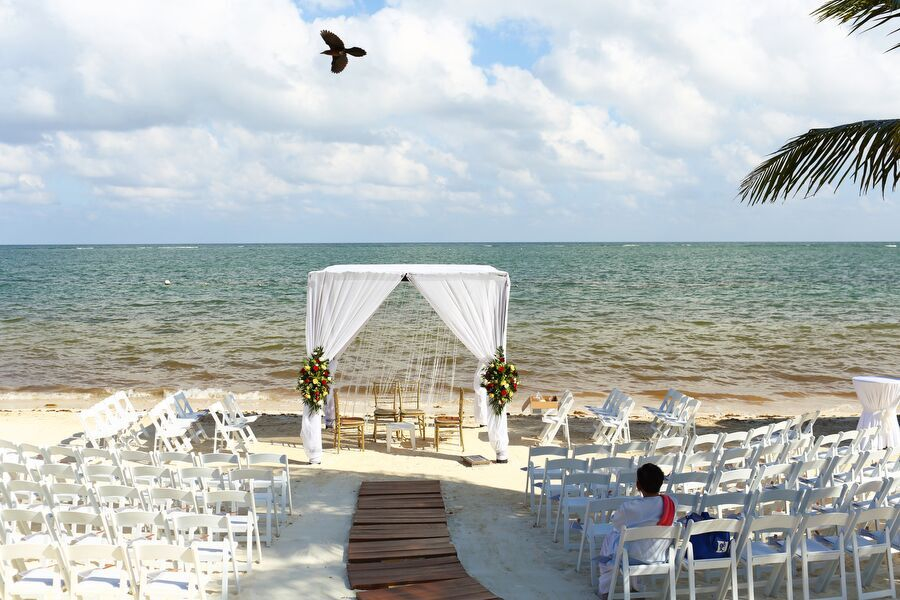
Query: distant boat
<point>890,245</point>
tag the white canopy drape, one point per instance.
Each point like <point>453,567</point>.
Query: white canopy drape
<point>475,310</point>
<point>337,307</point>
<point>472,300</point>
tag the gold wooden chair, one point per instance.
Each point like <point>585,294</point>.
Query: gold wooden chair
<point>341,423</point>
<point>450,422</point>
<point>386,410</point>
<point>408,392</point>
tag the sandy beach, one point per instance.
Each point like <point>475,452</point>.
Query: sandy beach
<point>490,526</point>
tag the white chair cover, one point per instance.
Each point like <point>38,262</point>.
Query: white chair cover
<point>879,397</point>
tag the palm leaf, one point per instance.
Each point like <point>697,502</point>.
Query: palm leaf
<point>862,15</point>
<point>868,152</point>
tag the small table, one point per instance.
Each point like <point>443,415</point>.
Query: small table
<point>400,426</point>
<point>879,397</point>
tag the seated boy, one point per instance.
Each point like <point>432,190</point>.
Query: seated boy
<point>650,509</point>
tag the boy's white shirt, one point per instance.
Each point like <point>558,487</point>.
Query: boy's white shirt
<point>640,512</point>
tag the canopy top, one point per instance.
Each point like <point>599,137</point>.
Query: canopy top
<point>404,270</point>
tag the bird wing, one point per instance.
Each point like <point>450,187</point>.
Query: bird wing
<point>355,51</point>
<point>333,41</point>
<point>338,63</point>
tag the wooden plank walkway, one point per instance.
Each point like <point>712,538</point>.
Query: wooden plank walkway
<point>400,547</point>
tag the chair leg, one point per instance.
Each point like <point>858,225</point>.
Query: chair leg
<point>437,437</point>
<point>337,437</point>
<point>461,442</point>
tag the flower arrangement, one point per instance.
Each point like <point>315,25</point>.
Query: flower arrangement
<point>501,381</point>
<point>314,380</point>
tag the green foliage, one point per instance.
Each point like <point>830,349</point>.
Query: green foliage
<point>501,381</point>
<point>314,380</point>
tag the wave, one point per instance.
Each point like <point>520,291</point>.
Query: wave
<point>84,247</point>
<point>890,245</point>
<point>175,364</point>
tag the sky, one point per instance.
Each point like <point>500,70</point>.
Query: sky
<point>468,120</point>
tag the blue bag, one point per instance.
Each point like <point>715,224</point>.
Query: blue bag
<point>714,544</point>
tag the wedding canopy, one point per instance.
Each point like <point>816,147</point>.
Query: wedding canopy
<point>472,300</point>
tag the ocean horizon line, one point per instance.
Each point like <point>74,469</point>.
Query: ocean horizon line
<point>448,243</point>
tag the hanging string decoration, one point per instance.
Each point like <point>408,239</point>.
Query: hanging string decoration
<point>406,343</point>
<point>501,381</point>
<point>314,380</point>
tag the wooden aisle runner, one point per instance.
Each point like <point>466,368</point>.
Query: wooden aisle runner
<point>400,546</point>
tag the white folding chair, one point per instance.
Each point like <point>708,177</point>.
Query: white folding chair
<point>818,548</point>
<point>231,433</point>
<point>623,564</point>
<point>31,570</point>
<point>19,525</point>
<point>576,491</point>
<point>77,527</point>
<point>99,570</point>
<point>871,533</point>
<point>767,542</point>
<point>596,523</point>
<point>240,509</point>
<point>554,419</point>
<point>551,486</point>
<point>534,474</point>
<point>261,482</point>
<point>213,540</point>
<point>686,560</point>
<point>281,470</point>
<point>168,571</point>
<point>611,429</point>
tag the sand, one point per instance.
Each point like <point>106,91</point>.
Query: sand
<point>492,529</point>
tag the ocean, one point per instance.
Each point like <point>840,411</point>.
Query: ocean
<point>753,322</point>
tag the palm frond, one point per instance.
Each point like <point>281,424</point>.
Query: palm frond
<point>868,152</point>
<point>862,15</point>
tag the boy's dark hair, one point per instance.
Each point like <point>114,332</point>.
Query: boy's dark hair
<point>650,478</point>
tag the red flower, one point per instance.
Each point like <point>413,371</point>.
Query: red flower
<point>501,359</point>
<point>315,367</point>
<point>503,392</point>
<point>500,368</point>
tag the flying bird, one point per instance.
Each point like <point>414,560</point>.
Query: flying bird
<point>337,52</point>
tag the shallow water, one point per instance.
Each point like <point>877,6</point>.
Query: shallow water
<point>756,322</point>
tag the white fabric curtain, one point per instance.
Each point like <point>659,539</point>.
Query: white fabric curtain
<point>879,397</point>
<point>338,305</point>
<point>474,306</point>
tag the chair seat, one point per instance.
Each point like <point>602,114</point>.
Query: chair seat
<point>445,420</point>
<point>386,412</point>
<point>412,412</point>
<point>352,421</point>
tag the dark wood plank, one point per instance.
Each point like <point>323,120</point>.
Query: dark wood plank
<point>399,515</point>
<point>397,532</point>
<point>392,549</point>
<point>464,588</point>
<point>402,487</point>
<point>399,502</point>
<point>367,576</point>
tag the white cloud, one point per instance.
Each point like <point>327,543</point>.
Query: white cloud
<point>159,105</point>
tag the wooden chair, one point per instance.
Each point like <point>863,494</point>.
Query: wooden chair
<point>410,392</point>
<point>450,422</point>
<point>386,410</point>
<point>341,423</point>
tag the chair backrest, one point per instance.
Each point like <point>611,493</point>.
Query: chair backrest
<point>385,394</point>
<point>737,457</point>
<point>831,497</point>
<point>671,402</point>
<point>668,444</point>
<point>75,523</point>
<point>19,522</point>
<point>138,524</point>
<point>685,503</point>
<point>176,459</point>
<point>539,451</point>
<point>779,501</point>
<point>639,448</point>
<point>408,392</point>
<point>707,442</point>
<point>774,475</point>
<point>182,406</point>
<point>690,482</point>
<point>804,424</point>
<point>119,497</point>
<point>256,476</point>
<point>759,435</point>
<point>589,451</point>
<point>700,461</point>
<point>166,499</point>
<point>734,439</point>
<point>27,493</point>
<point>883,518</point>
<point>223,461</point>
<point>232,499</point>
<point>188,528</point>
<point>736,479</point>
<point>613,465</point>
<point>137,457</point>
<point>271,460</point>
<point>728,503</point>
<point>201,478</point>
